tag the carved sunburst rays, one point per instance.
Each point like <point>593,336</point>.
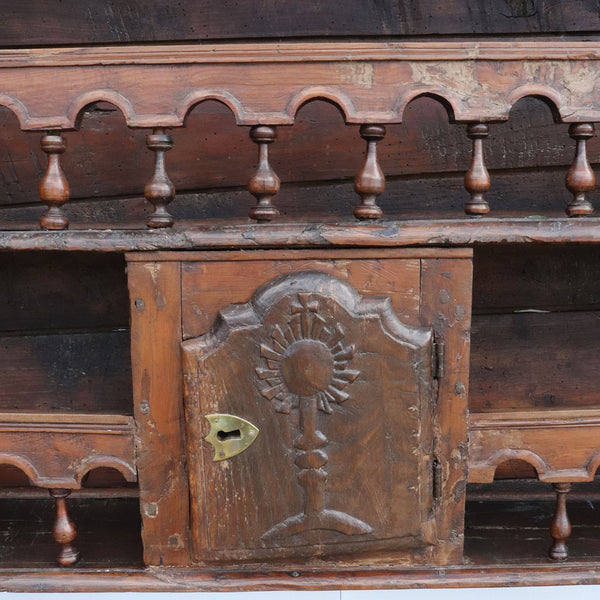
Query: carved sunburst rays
<point>306,357</point>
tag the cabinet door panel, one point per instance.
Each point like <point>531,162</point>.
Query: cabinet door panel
<point>341,392</point>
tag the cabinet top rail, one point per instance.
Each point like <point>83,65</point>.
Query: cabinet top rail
<point>210,53</point>
<point>267,83</point>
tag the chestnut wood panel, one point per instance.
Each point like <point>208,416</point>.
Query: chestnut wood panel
<point>529,360</point>
<point>446,303</point>
<point>558,277</point>
<point>155,297</point>
<point>71,372</point>
<point>203,283</point>
<point>56,291</point>
<point>57,450</point>
<point>562,445</point>
<point>360,431</point>
<point>85,21</point>
<point>478,81</point>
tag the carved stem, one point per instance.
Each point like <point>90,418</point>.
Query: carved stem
<point>64,529</point>
<point>370,181</point>
<point>560,529</point>
<point>310,460</point>
<point>54,187</point>
<point>580,178</point>
<point>264,184</point>
<point>159,191</point>
<point>477,178</point>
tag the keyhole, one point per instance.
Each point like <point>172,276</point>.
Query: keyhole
<point>223,436</point>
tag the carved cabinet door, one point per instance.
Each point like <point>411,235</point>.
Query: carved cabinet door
<point>319,417</point>
<point>309,416</point>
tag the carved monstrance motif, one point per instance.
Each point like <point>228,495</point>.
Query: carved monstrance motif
<point>340,392</point>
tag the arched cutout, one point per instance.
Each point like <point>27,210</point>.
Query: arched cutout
<point>515,468</point>
<point>104,477</point>
<point>199,96</point>
<point>129,473</point>
<point>77,106</point>
<point>450,103</point>
<point>12,476</point>
<point>21,464</point>
<point>17,108</point>
<point>547,95</point>
<point>592,466</point>
<point>340,100</point>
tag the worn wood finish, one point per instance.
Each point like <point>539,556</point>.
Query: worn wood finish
<point>325,352</point>
<point>284,77</point>
<point>212,281</point>
<point>78,22</point>
<point>66,372</point>
<point>518,362</point>
<point>57,450</point>
<point>562,445</point>
<point>155,297</point>
<point>86,291</point>
<point>317,148</point>
<point>446,302</point>
<point>222,234</point>
<point>555,278</point>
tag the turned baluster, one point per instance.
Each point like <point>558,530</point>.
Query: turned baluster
<point>64,529</point>
<point>159,191</point>
<point>477,178</point>
<point>560,529</point>
<point>54,187</point>
<point>264,184</point>
<point>370,181</point>
<point>580,178</point>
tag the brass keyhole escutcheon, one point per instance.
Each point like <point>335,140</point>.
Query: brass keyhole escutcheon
<point>229,435</point>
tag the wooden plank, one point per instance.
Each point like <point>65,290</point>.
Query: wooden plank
<point>555,278</point>
<point>219,234</point>
<point>446,303</point>
<point>85,21</point>
<point>71,372</point>
<point>55,291</point>
<point>522,361</point>
<point>158,407</point>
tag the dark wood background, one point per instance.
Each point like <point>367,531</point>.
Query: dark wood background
<point>64,320</point>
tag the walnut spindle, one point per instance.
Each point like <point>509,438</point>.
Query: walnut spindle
<point>264,184</point>
<point>159,191</point>
<point>54,187</point>
<point>580,178</point>
<point>477,178</point>
<point>370,181</point>
<point>560,529</point>
<point>64,529</point>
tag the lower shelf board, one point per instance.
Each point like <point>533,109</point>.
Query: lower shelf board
<point>505,545</point>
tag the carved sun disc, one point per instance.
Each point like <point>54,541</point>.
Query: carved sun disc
<point>307,367</point>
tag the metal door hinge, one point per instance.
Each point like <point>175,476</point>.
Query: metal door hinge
<point>437,479</point>
<point>437,358</point>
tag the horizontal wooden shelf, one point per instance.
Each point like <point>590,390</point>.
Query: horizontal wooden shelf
<point>385,233</point>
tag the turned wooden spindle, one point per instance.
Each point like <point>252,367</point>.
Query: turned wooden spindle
<point>580,178</point>
<point>477,178</point>
<point>159,191</point>
<point>560,529</point>
<point>370,181</point>
<point>54,187</point>
<point>264,184</point>
<point>64,529</point>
